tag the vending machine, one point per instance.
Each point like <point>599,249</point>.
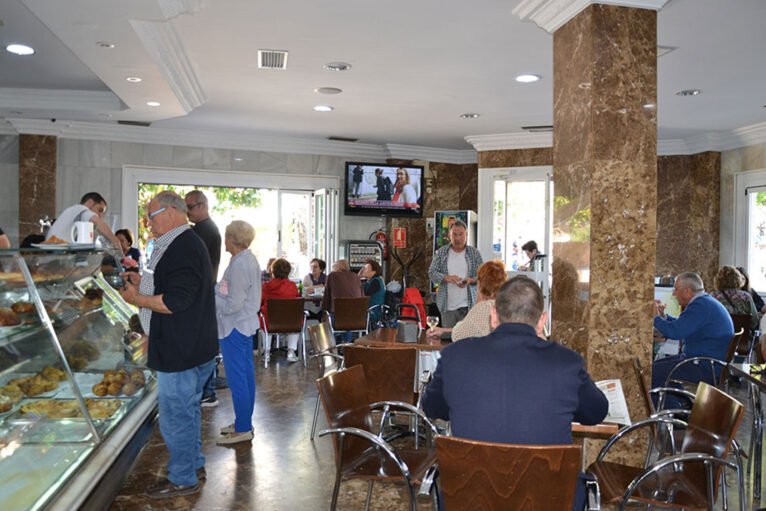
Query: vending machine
<point>356,252</point>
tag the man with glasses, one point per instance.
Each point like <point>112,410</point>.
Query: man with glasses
<point>704,329</point>
<point>176,299</point>
<point>205,228</point>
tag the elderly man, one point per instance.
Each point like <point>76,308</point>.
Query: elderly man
<point>704,328</point>
<point>454,269</point>
<point>177,310</point>
<point>512,386</point>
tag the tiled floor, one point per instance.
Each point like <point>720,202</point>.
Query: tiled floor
<point>281,470</point>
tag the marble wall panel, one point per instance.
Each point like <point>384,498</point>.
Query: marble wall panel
<point>516,158</point>
<point>273,163</point>
<point>605,168</point>
<point>219,159</point>
<point>37,181</point>
<point>158,155</point>
<point>245,160</point>
<point>126,153</point>
<point>94,153</point>
<point>187,157</point>
<point>68,152</point>
<point>9,191</point>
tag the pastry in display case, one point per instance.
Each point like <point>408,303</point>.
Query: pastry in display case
<point>74,388</point>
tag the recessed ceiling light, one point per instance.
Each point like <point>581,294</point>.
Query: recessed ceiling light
<point>20,49</point>
<point>328,90</point>
<point>469,116</point>
<point>337,66</point>
<point>689,92</point>
<point>527,78</point>
<point>152,103</point>
<point>133,79</point>
<point>105,44</point>
<point>323,108</point>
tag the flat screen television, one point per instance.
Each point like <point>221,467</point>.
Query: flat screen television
<point>376,189</point>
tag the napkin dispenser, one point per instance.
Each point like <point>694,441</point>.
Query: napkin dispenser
<point>407,331</point>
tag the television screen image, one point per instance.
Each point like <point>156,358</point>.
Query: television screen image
<point>377,189</point>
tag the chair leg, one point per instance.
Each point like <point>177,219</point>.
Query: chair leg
<point>316,417</point>
<point>336,489</point>
<point>413,495</point>
<point>303,346</point>
<point>369,495</point>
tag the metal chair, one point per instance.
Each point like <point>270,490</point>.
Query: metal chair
<point>327,356</point>
<point>361,454</point>
<point>350,315</point>
<point>498,477</point>
<point>688,479</point>
<point>724,364</point>
<point>285,316</point>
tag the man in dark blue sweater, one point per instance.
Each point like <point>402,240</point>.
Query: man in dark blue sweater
<point>512,386</point>
<point>704,328</point>
<point>177,310</point>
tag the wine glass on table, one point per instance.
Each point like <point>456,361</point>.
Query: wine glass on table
<point>432,322</point>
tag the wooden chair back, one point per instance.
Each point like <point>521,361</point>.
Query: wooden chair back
<point>713,422</point>
<point>743,322</point>
<point>344,398</point>
<point>389,372</point>
<point>646,397</point>
<point>323,341</point>
<point>498,477</point>
<point>730,352</point>
<point>350,313</point>
<point>285,315</point>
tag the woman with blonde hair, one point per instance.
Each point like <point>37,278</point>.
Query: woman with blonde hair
<point>404,192</point>
<point>491,276</point>
<point>729,282</point>
<point>237,300</point>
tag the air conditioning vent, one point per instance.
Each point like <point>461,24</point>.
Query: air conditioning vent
<point>272,59</point>
<point>343,139</point>
<point>135,123</point>
<point>538,129</point>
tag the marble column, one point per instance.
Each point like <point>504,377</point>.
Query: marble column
<point>605,186</point>
<point>37,181</point>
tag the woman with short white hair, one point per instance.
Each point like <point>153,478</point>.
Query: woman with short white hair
<point>237,302</point>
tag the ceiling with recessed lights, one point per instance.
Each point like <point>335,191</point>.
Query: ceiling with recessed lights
<point>425,73</point>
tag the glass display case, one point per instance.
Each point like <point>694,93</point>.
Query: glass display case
<point>72,374</point>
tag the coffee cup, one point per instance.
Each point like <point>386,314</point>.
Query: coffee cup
<point>82,233</point>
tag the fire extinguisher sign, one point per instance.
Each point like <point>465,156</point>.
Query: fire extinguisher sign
<point>400,237</point>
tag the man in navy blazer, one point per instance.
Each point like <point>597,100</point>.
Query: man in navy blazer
<point>704,328</point>
<point>513,386</point>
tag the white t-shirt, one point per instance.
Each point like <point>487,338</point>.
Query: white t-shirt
<point>457,264</point>
<point>62,227</point>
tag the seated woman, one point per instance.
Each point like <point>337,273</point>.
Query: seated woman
<point>374,287</point>
<point>280,286</point>
<point>490,275</point>
<point>729,283</point>
<point>757,300</point>
<point>313,283</point>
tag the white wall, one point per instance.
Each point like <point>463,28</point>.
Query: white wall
<point>88,165</point>
<point>9,186</point>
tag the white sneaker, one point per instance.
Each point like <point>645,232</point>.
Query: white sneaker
<point>292,357</point>
<point>235,438</point>
<point>227,429</point>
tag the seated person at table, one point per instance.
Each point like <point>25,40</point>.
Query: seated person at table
<point>313,283</point>
<point>729,282</point>
<point>704,328</point>
<point>280,286</point>
<point>512,386</point>
<point>757,300</point>
<point>374,287</point>
<point>491,275</point>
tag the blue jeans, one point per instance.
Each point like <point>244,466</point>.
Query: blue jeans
<point>237,350</point>
<point>690,372</point>
<point>181,420</point>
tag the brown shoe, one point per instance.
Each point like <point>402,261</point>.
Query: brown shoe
<point>165,489</point>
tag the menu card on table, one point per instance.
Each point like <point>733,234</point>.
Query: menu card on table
<point>618,407</point>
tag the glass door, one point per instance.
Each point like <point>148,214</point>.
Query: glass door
<point>324,225</point>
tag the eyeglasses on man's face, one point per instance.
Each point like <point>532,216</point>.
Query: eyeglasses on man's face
<point>150,216</point>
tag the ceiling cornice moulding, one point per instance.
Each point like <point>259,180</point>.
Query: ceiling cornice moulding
<point>431,154</point>
<point>502,141</point>
<point>552,14</point>
<point>164,46</point>
<point>65,100</point>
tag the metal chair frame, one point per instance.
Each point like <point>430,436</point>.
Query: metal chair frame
<point>322,350</point>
